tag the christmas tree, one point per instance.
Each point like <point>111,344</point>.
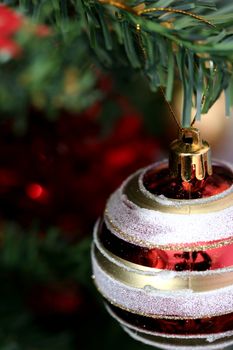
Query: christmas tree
<point>84,89</point>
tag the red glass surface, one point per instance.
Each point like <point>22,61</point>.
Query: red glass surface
<point>158,181</point>
<point>178,260</point>
<point>210,325</point>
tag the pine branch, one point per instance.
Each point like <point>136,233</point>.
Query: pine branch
<point>44,259</point>
<point>192,41</point>
<point>53,71</point>
<point>174,44</point>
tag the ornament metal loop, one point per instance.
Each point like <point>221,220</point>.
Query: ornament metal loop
<point>190,156</point>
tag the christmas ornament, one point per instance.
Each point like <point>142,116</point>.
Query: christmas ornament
<point>10,23</point>
<point>162,254</point>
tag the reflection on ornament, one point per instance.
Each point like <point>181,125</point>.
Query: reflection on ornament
<point>164,263</point>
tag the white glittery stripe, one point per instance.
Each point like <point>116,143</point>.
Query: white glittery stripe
<point>158,228</point>
<point>149,301</point>
<point>136,336</point>
<point>208,337</point>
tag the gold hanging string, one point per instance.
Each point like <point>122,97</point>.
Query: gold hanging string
<point>138,31</point>
<point>171,10</point>
<point>193,122</point>
<point>141,10</point>
<point>140,43</point>
<point>171,109</point>
<point>142,48</point>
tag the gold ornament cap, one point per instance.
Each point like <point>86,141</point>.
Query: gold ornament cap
<point>190,156</point>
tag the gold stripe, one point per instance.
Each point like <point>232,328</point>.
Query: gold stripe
<point>136,196</point>
<point>171,247</point>
<point>138,279</point>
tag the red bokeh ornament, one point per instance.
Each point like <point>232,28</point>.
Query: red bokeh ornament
<point>56,298</point>
<point>12,23</point>
<point>61,173</point>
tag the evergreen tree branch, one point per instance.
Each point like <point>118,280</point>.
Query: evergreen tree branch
<point>189,40</point>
